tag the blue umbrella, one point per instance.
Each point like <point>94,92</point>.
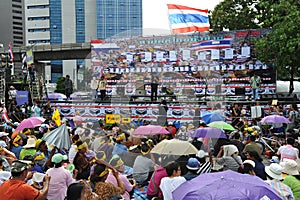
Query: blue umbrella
<point>212,117</point>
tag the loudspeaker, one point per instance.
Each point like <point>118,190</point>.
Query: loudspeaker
<point>239,91</point>
<point>140,92</point>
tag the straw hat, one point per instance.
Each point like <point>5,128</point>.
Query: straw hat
<point>30,143</point>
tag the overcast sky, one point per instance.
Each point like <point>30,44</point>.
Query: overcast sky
<point>155,13</point>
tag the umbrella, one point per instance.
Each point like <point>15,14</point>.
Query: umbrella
<point>80,95</point>
<point>30,123</point>
<point>208,132</point>
<point>55,96</point>
<point>150,130</point>
<point>174,147</point>
<point>221,125</point>
<point>225,185</point>
<point>275,119</point>
<point>212,117</point>
<point>59,137</point>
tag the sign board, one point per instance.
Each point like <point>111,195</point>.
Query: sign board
<point>112,118</point>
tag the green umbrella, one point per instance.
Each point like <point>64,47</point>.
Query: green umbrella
<point>221,125</point>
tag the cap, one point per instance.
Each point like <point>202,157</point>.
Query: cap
<point>201,154</point>
<point>193,164</point>
<point>3,144</point>
<point>19,166</point>
<point>58,158</point>
<point>251,162</point>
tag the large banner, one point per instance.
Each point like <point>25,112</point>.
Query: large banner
<point>22,97</point>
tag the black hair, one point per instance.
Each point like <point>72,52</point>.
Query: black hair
<point>290,141</point>
<point>255,155</point>
<point>98,169</point>
<point>252,138</point>
<point>16,174</point>
<point>247,167</point>
<point>74,191</point>
<point>171,166</point>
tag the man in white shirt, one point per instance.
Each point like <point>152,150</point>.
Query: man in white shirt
<point>174,180</point>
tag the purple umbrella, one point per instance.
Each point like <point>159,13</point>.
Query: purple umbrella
<point>30,123</point>
<point>55,96</point>
<point>208,132</point>
<point>225,185</point>
<point>272,119</point>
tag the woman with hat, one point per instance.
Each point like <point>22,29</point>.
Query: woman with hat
<point>274,179</point>
<point>42,148</point>
<point>290,168</point>
<point>103,189</point>
<point>60,178</point>
<point>81,161</point>
<point>29,148</point>
<point>229,158</point>
<point>143,165</point>
<point>17,145</point>
<point>118,164</point>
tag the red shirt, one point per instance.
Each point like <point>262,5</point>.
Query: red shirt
<point>18,190</point>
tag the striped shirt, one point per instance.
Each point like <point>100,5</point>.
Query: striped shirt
<point>204,168</point>
<point>282,189</point>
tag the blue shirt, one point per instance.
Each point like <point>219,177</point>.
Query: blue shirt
<point>119,149</point>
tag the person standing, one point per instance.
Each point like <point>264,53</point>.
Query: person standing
<point>154,86</point>
<point>255,82</point>
<point>102,87</point>
<point>68,86</point>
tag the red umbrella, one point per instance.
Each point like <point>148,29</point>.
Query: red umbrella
<point>30,122</point>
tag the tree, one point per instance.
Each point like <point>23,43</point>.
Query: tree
<point>235,15</point>
<point>281,45</point>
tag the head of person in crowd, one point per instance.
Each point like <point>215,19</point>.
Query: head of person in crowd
<point>75,139</point>
<point>193,165</point>
<point>230,150</point>
<point>117,163</point>
<point>274,171</point>
<point>173,169</point>
<point>4,137</point>
<point>100,173</point>
<point>17,141</point>
<point>58,160</point>
<point>290,141</point>
<point>82,147</point>
<point>30,143</point>
<point>120,138</point>
<point>201,156</point>
<point>76,191</point>
<point>247,167</point>
<point>290,167</point>
<point>19,169</point>
<point>41,145</point>
<point>145,148</point>
<point>253,155</point>
<point>26,131</point>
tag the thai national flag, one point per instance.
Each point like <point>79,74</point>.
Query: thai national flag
<point>184,19</point>
<point>212,44</point>
<point>10,53</point>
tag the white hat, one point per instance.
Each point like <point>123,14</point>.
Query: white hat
<point>3,144</point>
<point>289,167</point>
<point>251,162</point>
<point>274,171</point>
<point>201,154</point>
<point>230,149</point>
<point>2,134</point>
<point>30,143</point>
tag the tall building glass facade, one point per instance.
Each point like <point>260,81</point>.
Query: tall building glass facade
<point>120,17</point>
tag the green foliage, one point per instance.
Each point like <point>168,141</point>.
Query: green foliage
<point>235,15</point>
<point>60,85</point>
<point>281,45</point>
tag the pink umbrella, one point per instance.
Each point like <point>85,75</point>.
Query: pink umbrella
<point>275,119</point>
<point>30,123</point>
<point>150,130</point>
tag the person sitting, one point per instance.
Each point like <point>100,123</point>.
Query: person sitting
<point>16,187</point>
<point>252,146</point>
<point>228,156</point>
<point>118,164</point>
<point>105,190</point>
<point>81,161</point>
<point>60,178</point>
<point>292,177</point>
<point>170,183</point>
<point>274,179</point>
<point>17,145</point>
<point>28,149</point>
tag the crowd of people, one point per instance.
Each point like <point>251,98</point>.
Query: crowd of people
<point>108,162</point>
